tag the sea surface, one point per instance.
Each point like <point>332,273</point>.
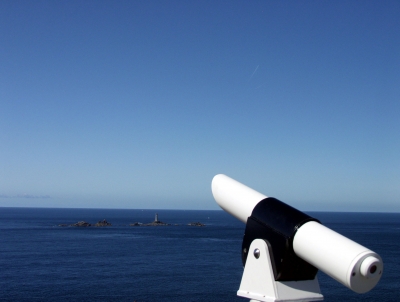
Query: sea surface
<point>42,261</point>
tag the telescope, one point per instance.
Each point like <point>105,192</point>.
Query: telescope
<point>283,248</point>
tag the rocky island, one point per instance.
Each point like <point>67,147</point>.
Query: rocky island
<point>81,224</point>
<point>84,224</point>
<point>102,223</point>
<point>105,223</point>
<point>197,224</point>
<point>156,222</point>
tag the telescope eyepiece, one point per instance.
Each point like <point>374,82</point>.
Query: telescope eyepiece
<point>371,267</point>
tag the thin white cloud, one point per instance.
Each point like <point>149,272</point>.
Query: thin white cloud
<point>255,70</point>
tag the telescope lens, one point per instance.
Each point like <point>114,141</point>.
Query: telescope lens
<point>370,266</point>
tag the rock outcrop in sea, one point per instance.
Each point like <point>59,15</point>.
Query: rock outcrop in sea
<point>102,223</point>
<point>84,224</point>
<point>198,224</point>
<point>156,222</point>
<point>81,224</point>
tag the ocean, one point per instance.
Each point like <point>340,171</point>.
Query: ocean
<point>42,261</point>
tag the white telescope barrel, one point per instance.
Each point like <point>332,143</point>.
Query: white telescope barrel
<point>234,197</point>
<point>346,261</point>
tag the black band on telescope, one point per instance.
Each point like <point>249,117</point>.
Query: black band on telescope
<point>277,223</point>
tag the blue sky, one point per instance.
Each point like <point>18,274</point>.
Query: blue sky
<point>138,104</point>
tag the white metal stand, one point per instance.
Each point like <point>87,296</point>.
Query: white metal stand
<point>258,282</point>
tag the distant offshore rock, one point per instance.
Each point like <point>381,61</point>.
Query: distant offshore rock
<point>81,224</point>
<point>197,224</point>
<point>156,223</point>
<point>102,223</point>
<point>105,223</point>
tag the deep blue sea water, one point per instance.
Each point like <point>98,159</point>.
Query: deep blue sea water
<point>41,261</point>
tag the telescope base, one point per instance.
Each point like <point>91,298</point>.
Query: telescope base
<point>258,282</point>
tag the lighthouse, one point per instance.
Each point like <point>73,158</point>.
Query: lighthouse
<point>156,219</point>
